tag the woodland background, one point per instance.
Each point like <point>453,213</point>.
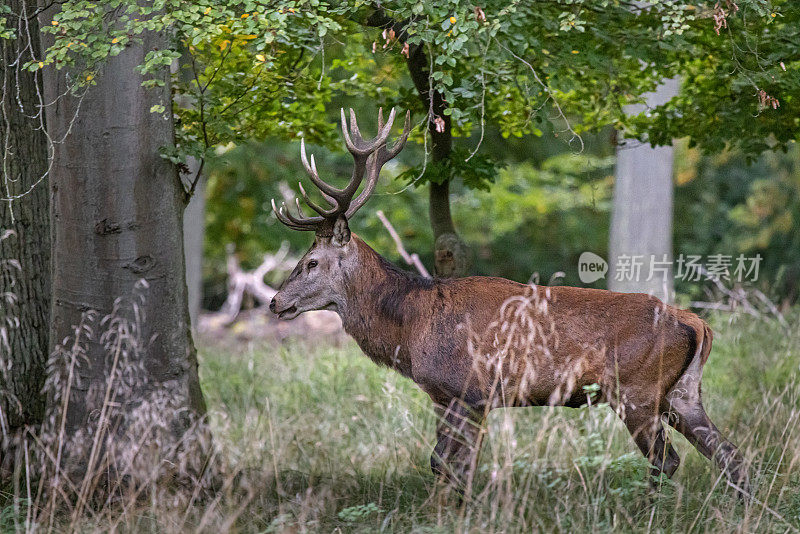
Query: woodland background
<point>143,142</point>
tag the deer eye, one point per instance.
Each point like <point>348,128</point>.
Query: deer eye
<point>312,264</point>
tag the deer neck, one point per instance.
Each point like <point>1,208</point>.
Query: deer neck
<point>381,303</point>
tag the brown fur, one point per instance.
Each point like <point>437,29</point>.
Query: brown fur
<point>452,338</point>
<point>422,328</point>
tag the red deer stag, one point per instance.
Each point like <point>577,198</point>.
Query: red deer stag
<point>477,343</point>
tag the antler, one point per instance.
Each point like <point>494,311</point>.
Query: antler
<point>369,157</point>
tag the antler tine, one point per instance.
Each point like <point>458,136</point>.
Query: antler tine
<point>316,207</point>
<point>282,218</point>
<point>310,169</point>
<point>300,209</point>
<point>314,165</point>
<point>360,147</point>
<point>327,190</point>
<point>383,134</point>
<point>326,196</point>
<point>346,134</point>
<point>354,131</point>
<point>302,220</point>
<point>400,143</point>
<point>376,162</point>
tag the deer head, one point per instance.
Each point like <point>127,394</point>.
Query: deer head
<point>317,282</point>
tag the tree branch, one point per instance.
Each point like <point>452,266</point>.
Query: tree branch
<point>410,259</point>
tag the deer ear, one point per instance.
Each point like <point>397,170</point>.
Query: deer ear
<point>341,232</point>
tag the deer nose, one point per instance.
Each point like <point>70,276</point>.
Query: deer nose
<point>272,305</point>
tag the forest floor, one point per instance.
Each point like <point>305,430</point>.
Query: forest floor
<point>343,445</point>
<point>314,437</point>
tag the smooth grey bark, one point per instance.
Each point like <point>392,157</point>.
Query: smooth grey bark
<point>194,181</point>
<point>193,234</point>
<point>641,217</point>
<point>117,219</point>
<point>25,251</point>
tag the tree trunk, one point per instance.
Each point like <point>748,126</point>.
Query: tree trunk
<point>640,246</point>
<point>452,256</point>
<point>25,224</point>
<point>118,270</point>
<point>194,215</point>
<point>193,235</point>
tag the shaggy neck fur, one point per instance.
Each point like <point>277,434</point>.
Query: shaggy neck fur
<point>379,306</point>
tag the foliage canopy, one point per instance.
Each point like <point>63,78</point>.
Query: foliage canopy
<point>560,69</point>
<point>256,68</point>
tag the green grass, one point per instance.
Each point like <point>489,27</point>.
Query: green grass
<point>314,437</point>
<point>334,442</point>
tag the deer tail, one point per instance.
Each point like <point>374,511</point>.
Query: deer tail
<point>704,343</point>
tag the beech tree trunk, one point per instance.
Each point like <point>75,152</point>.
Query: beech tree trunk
<point>195,213</point>
<point>641,217</point>
<point>118,258</point>
<point>24,235</point>
<point>193,235</point>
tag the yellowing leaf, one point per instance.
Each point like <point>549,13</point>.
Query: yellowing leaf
<point>261,58</point>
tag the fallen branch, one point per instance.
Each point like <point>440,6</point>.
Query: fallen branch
<point>410,259</point>
<point>241,282</point>
<point>738,300</point>
<point>771,307</point>
<point>721,306</point>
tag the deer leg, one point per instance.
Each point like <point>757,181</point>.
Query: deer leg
<point>691,420</point>
<point>650,436</point>
<point>663,455</point>
<point>459,434</point>
<point>686,413</point>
